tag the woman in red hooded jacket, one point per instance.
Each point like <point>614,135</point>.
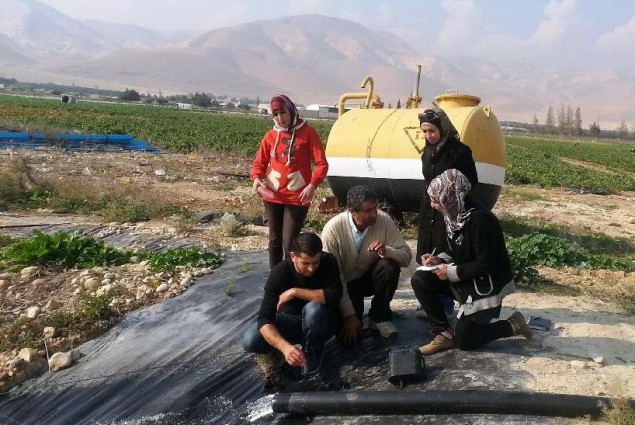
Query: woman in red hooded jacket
<point>284,175</point>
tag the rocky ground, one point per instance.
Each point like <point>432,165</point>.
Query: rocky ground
<point>591,346</point>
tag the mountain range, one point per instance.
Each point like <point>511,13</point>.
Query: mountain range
<point>312,58</point>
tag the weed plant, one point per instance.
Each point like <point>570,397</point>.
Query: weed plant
<point>174,258</point>
<point>65,250</point>
<point>229,288</point>
<point>72,250</point>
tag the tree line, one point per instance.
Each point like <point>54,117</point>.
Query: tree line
<point>568,123</point>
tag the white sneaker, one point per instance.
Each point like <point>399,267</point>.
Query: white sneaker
<point>386,329</point>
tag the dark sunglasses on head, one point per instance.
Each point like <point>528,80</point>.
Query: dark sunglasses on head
<point>429,115</point>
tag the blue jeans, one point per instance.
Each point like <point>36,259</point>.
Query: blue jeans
<point>317,325</point>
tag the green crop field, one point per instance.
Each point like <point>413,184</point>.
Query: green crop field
<point>594,166</point>
<point>587,165</point>
<point>168,128</point>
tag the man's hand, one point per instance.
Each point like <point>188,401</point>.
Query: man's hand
<point>378,247</point>
<point>294,355</point>
<point>287,295</point>
<point>351,329</point>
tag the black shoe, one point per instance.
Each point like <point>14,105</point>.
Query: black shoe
<point>314,357</point>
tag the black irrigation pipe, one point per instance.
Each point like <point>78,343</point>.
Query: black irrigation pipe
<point>440,402</point>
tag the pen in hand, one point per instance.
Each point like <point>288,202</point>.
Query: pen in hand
<point>427,262</point>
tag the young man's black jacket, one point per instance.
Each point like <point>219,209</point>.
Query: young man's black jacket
<point>283,277</point>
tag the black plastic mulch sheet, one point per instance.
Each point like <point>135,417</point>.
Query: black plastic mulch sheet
<point>180,362</point>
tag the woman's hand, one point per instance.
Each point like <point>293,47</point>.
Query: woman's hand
<point>254,188</point>
<point>307,194</point>
<point>429,260</point>
<point>441,272</point>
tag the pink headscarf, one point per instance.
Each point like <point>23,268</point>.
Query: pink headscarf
<point>281,101</point>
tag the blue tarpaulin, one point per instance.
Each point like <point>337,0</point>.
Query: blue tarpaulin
<point>74,141</point>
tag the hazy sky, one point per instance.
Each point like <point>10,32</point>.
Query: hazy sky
<point>590,33</point>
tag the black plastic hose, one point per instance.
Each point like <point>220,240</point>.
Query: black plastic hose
<point>440,402</point>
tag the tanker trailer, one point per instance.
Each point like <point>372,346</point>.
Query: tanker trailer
<point>381,147</point>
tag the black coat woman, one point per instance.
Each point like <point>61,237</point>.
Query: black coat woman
<point>475,271</point>
<point>443,150</point>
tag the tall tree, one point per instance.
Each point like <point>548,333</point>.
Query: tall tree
<point>202,100</point>
<point>577,122</point>
<point>595,130</point>
<point>561,119</point>
<point>622,130</point>
<point>568,121</point>
<point>130,95</point>
<point>550,121</point>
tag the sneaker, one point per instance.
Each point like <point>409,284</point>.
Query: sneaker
<point>440,342</point>
<point>519,325</point>
<point>386,329</point>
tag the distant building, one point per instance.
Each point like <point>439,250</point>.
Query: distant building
<point>321,111</point>
<point>263,108</point>
<point>183,105</point>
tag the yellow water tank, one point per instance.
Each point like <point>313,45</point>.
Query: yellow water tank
<point>382,148</point>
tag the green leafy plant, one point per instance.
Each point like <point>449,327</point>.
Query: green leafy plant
<point>22,333</point>
<point>95,307</point>
<point>170,259</point>
<point>61,249</point>
<point>245,267</point>
<point>545,250</point>
<point>229,288</point>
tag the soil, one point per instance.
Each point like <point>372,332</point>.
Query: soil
<point>590,349</point>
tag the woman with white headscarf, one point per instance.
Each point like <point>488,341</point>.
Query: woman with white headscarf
<point>475,271</point>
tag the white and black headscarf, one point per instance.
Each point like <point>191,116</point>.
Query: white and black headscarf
<point>438,118</point>
<point>449,190</point>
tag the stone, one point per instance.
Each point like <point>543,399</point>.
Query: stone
<point>599,360</point>
<point>91,283</point>
<point>186,282</point>
<point>28,354</point>
<point>29,272</point>
<point>53,305</point>
<point>161,288</point>
<point>33,312</point>
<point>48,332</point>
<point>59,361</point>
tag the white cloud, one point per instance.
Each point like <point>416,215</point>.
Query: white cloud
<point>552,29</point>
<point>460,28</point>
<point>621,37</point>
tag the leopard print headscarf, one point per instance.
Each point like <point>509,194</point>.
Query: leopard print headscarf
<point>449,190</point>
